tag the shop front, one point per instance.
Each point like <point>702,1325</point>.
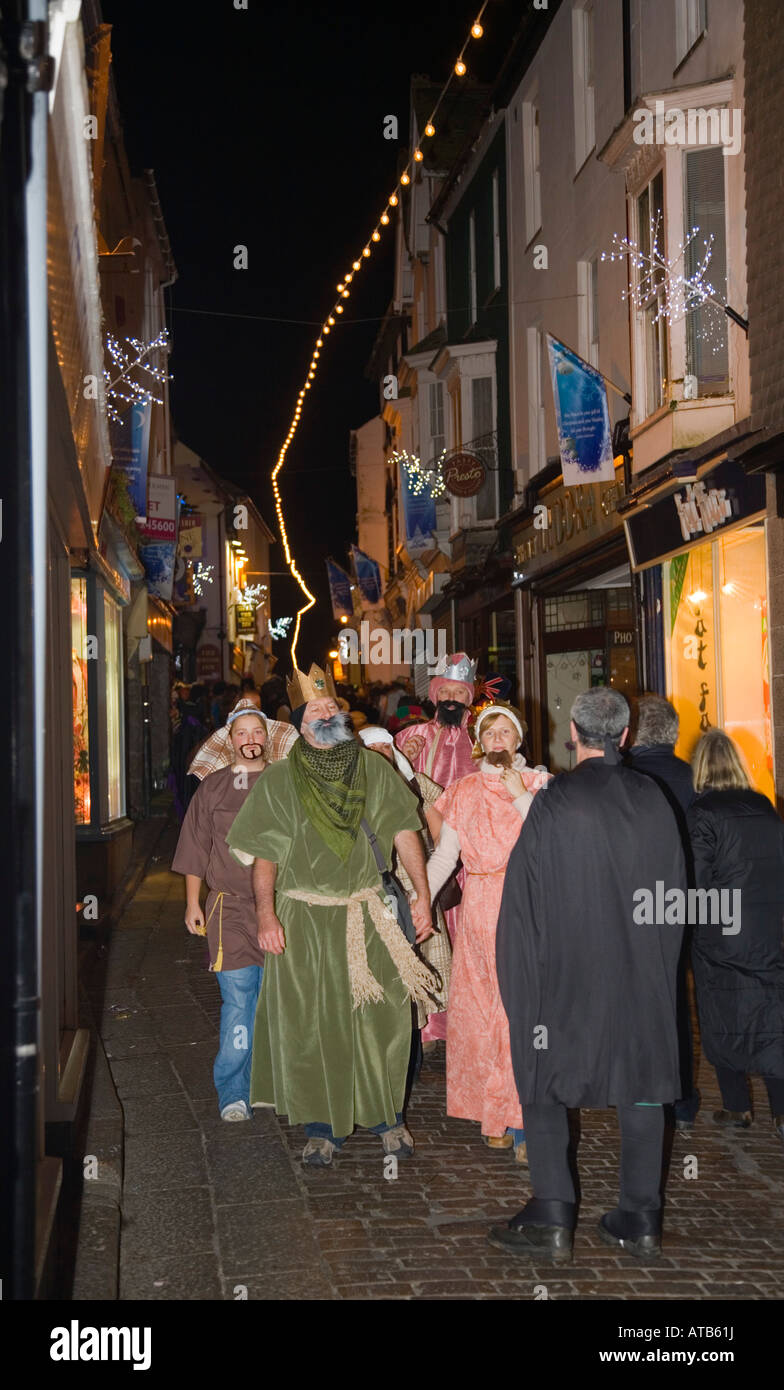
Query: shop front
<point>576,615</point>
<point>700,544</point>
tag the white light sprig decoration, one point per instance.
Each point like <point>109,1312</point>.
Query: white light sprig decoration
<point>202,574</point>
<point>129,358</point>
<point>279,627</point>
<point>663,279</point>
<point>420,478</point>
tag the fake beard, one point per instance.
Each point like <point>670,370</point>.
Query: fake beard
<point>249,751</point>
<point>499,758</point>
<point>450,712</point>
<point>329,732</point>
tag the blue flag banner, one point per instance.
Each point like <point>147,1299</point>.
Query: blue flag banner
<point>419,512</point>
<point>368,575</point>
<point>130,439</point>
<point>339,591</point>
<point>582,416</point>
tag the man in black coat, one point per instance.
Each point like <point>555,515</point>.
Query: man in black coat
<point>653,753</point>
<point>589,991</point>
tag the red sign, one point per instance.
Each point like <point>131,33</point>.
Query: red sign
<point>161,510</point>
<point>463,474</point>
<point>208,662</point>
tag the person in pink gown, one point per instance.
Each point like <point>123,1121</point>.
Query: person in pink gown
<point>483,815</point>
<point>442,749</point>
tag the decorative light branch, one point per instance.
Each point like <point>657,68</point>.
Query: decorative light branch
<point>421,478</point>
<point>202,574</point>
<point>128,359</point>
<point>664,280</point>
<point>279,627</point>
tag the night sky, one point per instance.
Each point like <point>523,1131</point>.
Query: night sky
<point>265,128</point>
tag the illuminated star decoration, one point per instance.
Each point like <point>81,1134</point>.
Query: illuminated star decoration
<point>665,280</point>
<point>121,384</point>
<point>420,478</point>
<point>202,574</point>
<point>280,626</point>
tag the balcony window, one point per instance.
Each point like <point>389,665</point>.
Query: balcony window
<point>651,321</point>
<point>707,347</point>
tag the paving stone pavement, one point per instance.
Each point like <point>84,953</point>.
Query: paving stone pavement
<point>217,1211</point>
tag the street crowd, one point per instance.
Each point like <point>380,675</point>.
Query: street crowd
<point>383,875</point>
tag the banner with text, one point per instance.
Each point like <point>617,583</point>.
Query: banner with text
<point>582,416</point>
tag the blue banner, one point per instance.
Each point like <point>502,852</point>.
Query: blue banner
<point>339,591</point>
<point>582,417</point>
<point>368,576</point>
<point>419,512</point>
<point>130,439</point>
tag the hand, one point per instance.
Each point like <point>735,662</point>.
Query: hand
<point>413,747</point>
<point>194,920</point>
<point>271,937</point>
<point>513,782</point>
<point>422,917</point>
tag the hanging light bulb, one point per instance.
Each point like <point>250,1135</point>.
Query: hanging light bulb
<point>430,129</point>
<point>460,68</point>
<point>349,277</point>
<point>404,178</point>
<point>330,319</point>
<point>346,294</point>
<point>385,218</point>
<point>356,264</point>
<point>418,156</point>
<point>338,308</point>
<point>376,236</point>
<point>393,201</point>
<point>319,343</point>
<point>476,30</point>
<point>366,251</point>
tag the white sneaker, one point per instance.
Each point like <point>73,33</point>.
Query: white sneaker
<point>238,1110</point>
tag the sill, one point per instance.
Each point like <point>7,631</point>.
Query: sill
<point>532,239</point>
<point>108,831</point>
<point>699,403</point>
<point>689,52</point>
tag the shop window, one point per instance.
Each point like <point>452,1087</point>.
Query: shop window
<point>707,348</point>
<point>81,721</point>
<point>651,320</point>
<point>715,602</point>
<point>568,612</point>
<point>113,643</point>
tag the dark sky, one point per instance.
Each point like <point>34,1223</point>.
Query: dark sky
<point>265,128</point>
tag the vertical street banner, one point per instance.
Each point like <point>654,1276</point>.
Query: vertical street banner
<point>368,575</point>
<point>419,512</point>
<point>158,537</point>
<point>339,591</point>
<point>130,438</point>
<point>582,416</point>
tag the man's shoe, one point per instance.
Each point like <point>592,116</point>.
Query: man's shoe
<point>543,1230</point>
<point>398,1141</point>
<point>521,1154</point>
<point>734,1119</point>
<point>237,1110</point>
<point>318,1152</point>
<point>636,1232</point>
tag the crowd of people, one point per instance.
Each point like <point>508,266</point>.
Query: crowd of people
<point>383,875</point>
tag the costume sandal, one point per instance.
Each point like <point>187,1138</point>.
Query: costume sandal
<point>398,1141</point>
<point>318,1152</point>
<point>521,1154</point>
<point>498,1141</point>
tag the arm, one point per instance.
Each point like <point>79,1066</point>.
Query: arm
<point>434,822</point>
<point>412,857</point>
<point>194,917</point>
<point>443,861</point>
<point>268,929</point>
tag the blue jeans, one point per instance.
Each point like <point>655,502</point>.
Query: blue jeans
<point>322,1131</point>
<point>231,1073</point>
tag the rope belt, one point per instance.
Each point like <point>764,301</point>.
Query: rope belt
<point>474,873</point>
<point>415,974</point>
<point>218,966</point>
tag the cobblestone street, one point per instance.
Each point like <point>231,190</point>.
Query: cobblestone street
<point>208,1207</point>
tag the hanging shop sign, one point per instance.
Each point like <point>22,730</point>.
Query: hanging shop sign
<point>158,537</point>
<point>208,662</point>
<point>245,614</point>
<point>693,513</point>
<point>463,474</point>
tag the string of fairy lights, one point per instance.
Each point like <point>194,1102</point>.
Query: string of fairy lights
<point>331,320</point>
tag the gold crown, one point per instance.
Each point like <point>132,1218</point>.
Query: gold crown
<point>314,686</point>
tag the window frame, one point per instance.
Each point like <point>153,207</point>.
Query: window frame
<point>583,83</point>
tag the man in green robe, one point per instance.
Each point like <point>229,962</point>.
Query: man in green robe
<point>333,1026</point>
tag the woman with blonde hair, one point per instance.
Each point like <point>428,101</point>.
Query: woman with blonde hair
<point>483,814</point>
<point>738,843</point>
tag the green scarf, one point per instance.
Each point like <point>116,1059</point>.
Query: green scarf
<point>331,785</point>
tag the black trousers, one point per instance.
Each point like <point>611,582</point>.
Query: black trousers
<point>735,1094</point>
<point>642,1130</point>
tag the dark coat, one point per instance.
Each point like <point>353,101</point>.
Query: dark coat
<point>569,954</point>
<point>738,842</point>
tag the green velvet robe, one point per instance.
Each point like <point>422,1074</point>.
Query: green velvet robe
<point>315,1057</point>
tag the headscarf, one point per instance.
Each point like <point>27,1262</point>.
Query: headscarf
<point>510,713</point>
<point>373,734</point>
<point>216,751</point>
